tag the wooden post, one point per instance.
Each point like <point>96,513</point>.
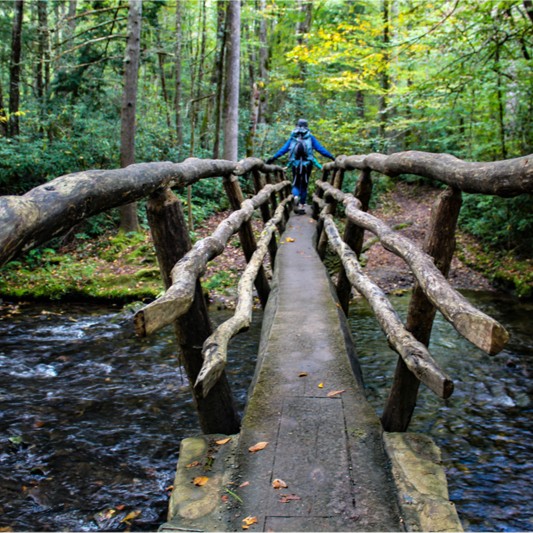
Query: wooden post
<point>320,194</point>
<point>353,237</point>
<point>440,244</point>
<point>217,412</point>
<point>259,183</point>
<point>322,246</point>
<point>246,235</point>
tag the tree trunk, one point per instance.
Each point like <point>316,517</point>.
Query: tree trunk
<point>178,85</point>
<point>14,70</point>
<point>384,81</point>
<point>128,213</point>
<point>218,74</point>
<point>43,65</point>
<point>231,119</point>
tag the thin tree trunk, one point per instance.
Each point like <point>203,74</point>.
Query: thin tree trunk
<point>43,66</point>
<point>14,70</point>
<point>384,81</point>
<point>218,75</point>
<point>128,213</point>
<point>231,122</point>
<point>178,85</point>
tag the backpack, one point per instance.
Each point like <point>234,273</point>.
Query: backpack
<point>302,147</point>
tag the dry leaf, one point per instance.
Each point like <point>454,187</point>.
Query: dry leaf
<point>279,484</point>
<point>224,498</point>
<point>193,464</point>
<point>289,239</point>
<point>321,385</point>
<point>200,481</point>
<point>286,498</point>
<point>223,441</point>
<point>130,516</point>
<point>244,484</point>
<point>335,393</point>
<point>120,507</point>
<point>248,521</point>
<point>302,374</point>
<point>258,446</point>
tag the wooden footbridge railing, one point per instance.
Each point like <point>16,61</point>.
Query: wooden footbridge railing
<point>51,209</point>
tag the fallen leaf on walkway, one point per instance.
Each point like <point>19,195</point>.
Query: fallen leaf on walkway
<point>321,385</point>
<point>200,481</point>
<point>302,374</point>
<point>244,484</point>
<point>249,521</point>
<point>286,498</point>
<point>193,464</point>
<point>258,446</point>
<point>279,484</point>
<point>223,441</point>
<point>289,239</point>
<point>224,498</point>
<point>335,393</point>
<point>130,516</point>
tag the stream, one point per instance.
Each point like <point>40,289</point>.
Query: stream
<point>91,417</point>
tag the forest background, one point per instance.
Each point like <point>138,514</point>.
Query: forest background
<point>452,76</point>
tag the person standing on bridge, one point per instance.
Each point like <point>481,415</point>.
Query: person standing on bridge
<point>300,146</point>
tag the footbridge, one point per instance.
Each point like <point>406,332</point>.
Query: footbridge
<point>310,454</point>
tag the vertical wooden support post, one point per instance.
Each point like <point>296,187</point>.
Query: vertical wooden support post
<point>353,237</point>
<point>217,412</point>
<point>331,208</point>
<point>246,235</point>
<point>440,244</point>
<point>320,194</point>
<point>259,183</point>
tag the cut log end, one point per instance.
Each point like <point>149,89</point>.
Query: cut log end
<point>483,331</point>
<point>140,324</point>
<point>212,369</point>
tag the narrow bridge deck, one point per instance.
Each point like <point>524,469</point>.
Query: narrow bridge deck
<point>328,450</point>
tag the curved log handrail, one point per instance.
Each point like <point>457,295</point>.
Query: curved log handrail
<point>215,349</point>
<point>415,355</point>
<point>479,328</point>
<point>55,207</point>
<point>179,296</point>
<point>509,177</point>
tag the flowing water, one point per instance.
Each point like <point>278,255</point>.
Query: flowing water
<point>91,417</point>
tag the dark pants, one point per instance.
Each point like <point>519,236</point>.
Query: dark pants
<point>300,181</point>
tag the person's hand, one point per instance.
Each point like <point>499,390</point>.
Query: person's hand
<point>270,160</point>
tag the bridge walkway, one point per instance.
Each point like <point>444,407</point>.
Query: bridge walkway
<point>328,450</point>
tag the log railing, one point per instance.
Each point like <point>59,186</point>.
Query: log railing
<point>54,208</point>
<point>430,266</point>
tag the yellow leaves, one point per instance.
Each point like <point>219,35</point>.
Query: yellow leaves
<point>200,481</point>
<point>221,442</point>
<point>321,385</point>
<point>279,484</point>
<point>249,521</point>
<point>258,447</point>
<point>289,239</point>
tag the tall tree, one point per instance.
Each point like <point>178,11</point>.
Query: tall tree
<point>14,71</point>
<point>178,84</point>
<point>231,122</point>
<point>128,213</point>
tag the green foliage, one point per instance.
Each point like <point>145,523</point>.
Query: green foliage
<point>503,223</point>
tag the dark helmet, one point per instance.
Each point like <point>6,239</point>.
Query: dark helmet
<point>302,123</point>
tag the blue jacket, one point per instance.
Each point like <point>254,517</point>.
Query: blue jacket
<point>314,143</point>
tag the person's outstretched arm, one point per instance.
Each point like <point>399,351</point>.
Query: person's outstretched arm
<point>320,149</point>
<point>282,151</point>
